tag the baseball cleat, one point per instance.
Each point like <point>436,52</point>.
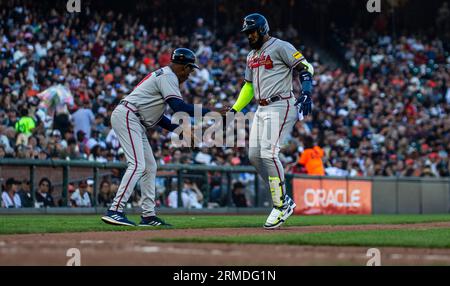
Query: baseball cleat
<point>278,216</point>
<point>153,221</point>
<point>117,218</point>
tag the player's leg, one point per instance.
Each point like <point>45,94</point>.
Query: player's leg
<point>254,152</point>
<point>128,129</point>
<point>284,132</point>
<point>148,188</point>
<point>278,122</point>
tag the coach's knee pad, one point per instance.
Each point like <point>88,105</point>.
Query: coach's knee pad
<point>276,190</point>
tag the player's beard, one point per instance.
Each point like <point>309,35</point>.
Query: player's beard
<point>258,44</point>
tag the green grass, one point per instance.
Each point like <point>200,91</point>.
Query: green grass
<point>426,238</point>
<point>20,224</point>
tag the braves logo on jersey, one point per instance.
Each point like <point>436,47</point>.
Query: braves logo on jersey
<point>262,60</point>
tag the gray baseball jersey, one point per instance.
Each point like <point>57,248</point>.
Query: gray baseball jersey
<point>270,68</point>
<point>150,95</point>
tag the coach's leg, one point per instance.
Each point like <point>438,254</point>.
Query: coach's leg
<point>254,150</point>
<point>278,122</point>
<point>148,181</point>
<point>129,130</point>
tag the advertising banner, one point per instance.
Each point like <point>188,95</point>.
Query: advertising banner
<point>328,196</point>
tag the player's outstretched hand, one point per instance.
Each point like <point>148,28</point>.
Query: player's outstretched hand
<point>304,103</point>
<point>223,111</point>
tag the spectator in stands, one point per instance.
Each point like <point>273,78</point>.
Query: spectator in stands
<point>3,118</point>
<point>10,196</point>
<point>83,119</point>
<point>80,197</point>
<point>70,190</point>
<point>104,197</point>
<point>191,196</point>
<point>82,142</point>
<point>100,124</point>
<point>97,154</point>
<point>8,139</point>
<point>42,155</point>
<point>26,124</point>
<point>90,188</point>
<point>115,183</point>
<point>56,136</point>
<point>25,194</point>
<point>43,195</point>
<point>311,158</point>
<point>61,120</point>
<point>12,116</point>
<point>338,169</point>
<point>217,195</point>
<point>238,195</point>
<point>2,152</point>
<point>73,153</point>
<point>427,172</point>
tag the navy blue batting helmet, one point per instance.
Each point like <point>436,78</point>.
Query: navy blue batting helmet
<point>256,22</point>
<point>184,56</point>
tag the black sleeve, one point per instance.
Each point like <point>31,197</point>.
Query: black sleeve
<point>179,105</point>
<point>165,123</point>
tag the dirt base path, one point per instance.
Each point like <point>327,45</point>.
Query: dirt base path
<point>133,248</point>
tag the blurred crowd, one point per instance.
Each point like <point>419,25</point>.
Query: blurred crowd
<point>17,194</point>
<point>384,113</point>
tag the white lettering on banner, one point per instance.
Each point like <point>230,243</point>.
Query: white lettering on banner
<point>308,193</point>
<point>338,198</point>
<point>354,197</point>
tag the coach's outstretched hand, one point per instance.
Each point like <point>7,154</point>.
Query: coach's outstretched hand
<point>304,103</point>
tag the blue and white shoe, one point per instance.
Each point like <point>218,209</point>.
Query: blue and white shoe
<point>153,221</point>
<point>279,215</point>
<point>117,218</point>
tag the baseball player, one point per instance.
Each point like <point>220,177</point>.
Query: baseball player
<point>268,78</point>
<point>144,108</point>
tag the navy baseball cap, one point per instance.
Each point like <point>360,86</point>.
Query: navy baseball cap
<point>184,56</point>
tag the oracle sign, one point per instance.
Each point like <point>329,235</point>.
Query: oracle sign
<point>326,196</point>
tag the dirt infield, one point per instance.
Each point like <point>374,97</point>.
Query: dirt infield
<point>133,248</point>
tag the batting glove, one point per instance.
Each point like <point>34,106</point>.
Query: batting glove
<point>304,103</point>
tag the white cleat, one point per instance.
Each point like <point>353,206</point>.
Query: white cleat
<point>278,216</point>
